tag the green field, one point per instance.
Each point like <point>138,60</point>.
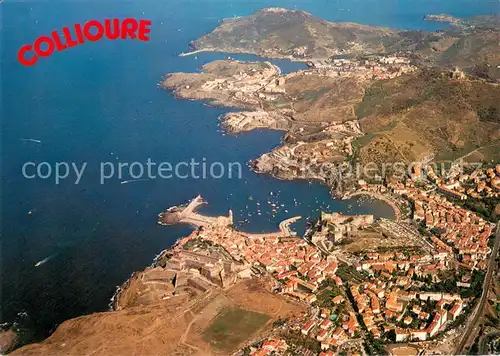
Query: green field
<point>233,326</point>
<point>363,140</point>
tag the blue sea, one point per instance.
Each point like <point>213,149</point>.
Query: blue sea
<point>100,102</point>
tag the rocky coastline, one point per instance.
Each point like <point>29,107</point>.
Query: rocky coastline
<point>8,340</point>
<point>442,18</point>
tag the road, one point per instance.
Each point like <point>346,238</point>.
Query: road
<point>478,312</point>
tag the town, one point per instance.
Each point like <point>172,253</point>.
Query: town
<point>412,294</point>
<point>372,67</point>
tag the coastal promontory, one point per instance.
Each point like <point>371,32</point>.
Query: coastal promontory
<point>370,94</point>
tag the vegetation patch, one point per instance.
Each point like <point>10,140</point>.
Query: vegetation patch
<point>232,327</point>
<point>373,95</point>
<point>363,141</point>
<point>489,114</point>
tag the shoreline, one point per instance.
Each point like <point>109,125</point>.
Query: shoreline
<point>238,51</point>
<point>377,196</point>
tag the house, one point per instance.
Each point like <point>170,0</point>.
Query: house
<point>423,316</point>
<point>273,345</point>
<point>326,324</point>
<point>443,316</point>
<point>338,299</point>
<point>351,325</point>
<point>261,352</point>
<point>393,304</point>
<point>420,335</point>
<point>327,353</point>
<point>323,334</point>
<point>324,313</point>
<point>308,327</point>
<point>325,344</point>
<point>455,311</point>
<point>402,335</point>
<point>375,332</point>
<point>311,298</point>
<point>433,328</point>
<point>337,280</point>
<point>431,296</point>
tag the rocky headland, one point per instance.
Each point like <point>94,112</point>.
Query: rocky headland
<point>370,95</point>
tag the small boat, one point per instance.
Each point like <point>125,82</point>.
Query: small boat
<point>46,259</point>
<point>31,140</point>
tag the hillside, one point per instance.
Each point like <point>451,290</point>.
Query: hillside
<point>304,96</point>
<point>429,114</point>
<point>277,32</point>
<point>484,21</point>
<point>477,52</point>
<point>471,44</point>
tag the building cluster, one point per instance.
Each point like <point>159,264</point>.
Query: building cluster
<point>448,308</point>
<point>385,301</point>
<point>455,230</point>
<point>478,184</point>
<point>300,270</point>
<point>274,346</point>
<point>378,67</point>
<point>335,227</point>
<point>298,266</point>
<point>330,150</point>
<point>305,160</point>
<point>390,301</point>
<point>390,293</point>
<point>193,265</point>
<point>249,120</point>
<point>324,329</point>
<point>260,80</point>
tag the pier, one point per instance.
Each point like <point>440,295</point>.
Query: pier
<point>284,230</point>
<point>187,215</point>
<point>185,54</point>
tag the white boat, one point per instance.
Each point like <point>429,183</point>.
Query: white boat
<point>46,259</point>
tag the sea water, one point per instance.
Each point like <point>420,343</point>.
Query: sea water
<point>100,102</point>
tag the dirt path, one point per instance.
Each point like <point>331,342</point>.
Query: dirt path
<point>183,338</point>
<point>477,150</point>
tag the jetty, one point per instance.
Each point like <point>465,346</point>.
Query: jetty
<point>284,230</point>
<point>186,214</point>
<point>185,54</point>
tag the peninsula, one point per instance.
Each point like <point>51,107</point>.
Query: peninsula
<point>442,18</point>
<point>370,96</point>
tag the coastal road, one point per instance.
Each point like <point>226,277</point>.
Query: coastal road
<point>478,312</point>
